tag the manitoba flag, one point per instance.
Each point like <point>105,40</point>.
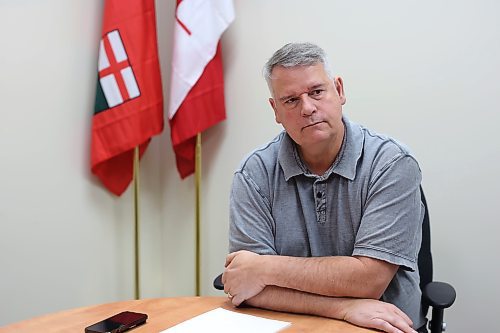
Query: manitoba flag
<point>197,87</point>
<point>129,103</point>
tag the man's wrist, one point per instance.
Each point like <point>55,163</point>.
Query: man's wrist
<point>267,271</point>
<point>340,309</point>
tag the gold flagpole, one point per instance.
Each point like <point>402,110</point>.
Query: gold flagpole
<point>136,219</point>
<point>197,169</point>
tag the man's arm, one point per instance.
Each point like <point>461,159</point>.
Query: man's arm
<point>362,312</point>
<point>389,237</point>
<point>247,274</point>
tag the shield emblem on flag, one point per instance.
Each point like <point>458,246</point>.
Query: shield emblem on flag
<point>117,83</point>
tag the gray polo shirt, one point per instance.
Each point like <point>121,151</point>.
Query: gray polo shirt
<point>366,204</point>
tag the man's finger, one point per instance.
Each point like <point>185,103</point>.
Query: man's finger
<point>385,326</point>
<point>226,287</point>
<point>400,320</point>
<point>403,315</point>
<point>397,323</point>
<point>230,258</point>
<point>237,300</point>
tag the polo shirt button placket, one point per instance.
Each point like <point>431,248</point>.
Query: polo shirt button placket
<point>320,200</point>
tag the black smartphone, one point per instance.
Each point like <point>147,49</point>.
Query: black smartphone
<point>218,283</point>
<point>118,323</point>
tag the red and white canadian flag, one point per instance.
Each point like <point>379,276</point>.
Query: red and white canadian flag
<point>197,86</point>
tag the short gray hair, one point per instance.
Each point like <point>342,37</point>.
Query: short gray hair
<point>297,54</point>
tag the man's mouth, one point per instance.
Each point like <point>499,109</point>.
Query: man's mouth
<point>313,124</point>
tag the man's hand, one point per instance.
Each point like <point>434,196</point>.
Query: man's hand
<point>376,314</point>
<point>242,277</point>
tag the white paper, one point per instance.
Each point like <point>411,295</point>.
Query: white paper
<point>224,321</point>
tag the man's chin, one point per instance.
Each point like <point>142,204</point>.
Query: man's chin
<point>316,137</point>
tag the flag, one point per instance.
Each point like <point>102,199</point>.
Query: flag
<point>129,103</point>
<point>197,85</point>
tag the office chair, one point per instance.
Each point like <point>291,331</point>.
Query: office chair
<point>438,295</point>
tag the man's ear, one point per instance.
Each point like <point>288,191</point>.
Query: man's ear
<point>339,86</point>
<point>273,105</point>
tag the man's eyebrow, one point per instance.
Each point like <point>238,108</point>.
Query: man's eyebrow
<point>316,86</point>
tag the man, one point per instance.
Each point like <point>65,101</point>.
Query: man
<point>326,218</point>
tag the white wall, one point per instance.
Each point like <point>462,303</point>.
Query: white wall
<point>425,72</point>
<point>65,241</point>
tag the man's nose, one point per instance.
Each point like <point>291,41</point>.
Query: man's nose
<point>308,106</point>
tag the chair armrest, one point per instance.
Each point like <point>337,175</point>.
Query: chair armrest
<point>439,295</point>
<point>218,282</point>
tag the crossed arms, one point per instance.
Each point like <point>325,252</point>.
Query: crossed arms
<point>320,286</point>
<point>344,285</point>
<point>248,273</point>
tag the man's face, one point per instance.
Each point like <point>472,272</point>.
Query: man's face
<point>308,104</point>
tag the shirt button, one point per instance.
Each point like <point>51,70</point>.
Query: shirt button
<point>319,195</point>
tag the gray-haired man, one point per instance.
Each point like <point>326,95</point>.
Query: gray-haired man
<point>326,218</point>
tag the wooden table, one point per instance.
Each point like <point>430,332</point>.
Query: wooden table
<point>167,312</point>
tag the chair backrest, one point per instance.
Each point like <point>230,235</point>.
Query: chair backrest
<point>425,256</point>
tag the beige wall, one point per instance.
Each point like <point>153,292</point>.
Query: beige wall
<point>424,72</point>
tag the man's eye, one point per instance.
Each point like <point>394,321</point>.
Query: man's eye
<point>316,92</point>
<point>290,101</point>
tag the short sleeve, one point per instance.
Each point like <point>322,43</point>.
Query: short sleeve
<point>391,222</point>
<point>251,226</point>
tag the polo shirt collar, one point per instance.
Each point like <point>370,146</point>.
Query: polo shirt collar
<point>352,147</point>
<point>344,165</point>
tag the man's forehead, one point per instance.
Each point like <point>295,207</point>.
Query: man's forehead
<point>279,70</point>
<point>292,80</point>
